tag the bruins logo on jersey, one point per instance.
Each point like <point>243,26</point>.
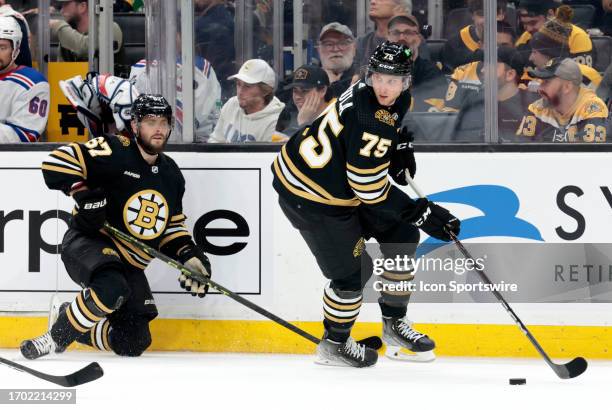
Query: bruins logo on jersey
<point>145,214</point>
<point>385,116</point>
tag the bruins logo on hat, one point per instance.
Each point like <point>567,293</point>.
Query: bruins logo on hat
<point>301,74</point>
<point>145,214</point>
<point>386,117</point>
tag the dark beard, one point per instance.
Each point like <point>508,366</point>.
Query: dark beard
<point>148,148</point>
<point>74,22</point>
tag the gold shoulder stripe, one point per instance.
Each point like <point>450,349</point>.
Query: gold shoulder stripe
<point>367,170</point>
<point>176,218</point>
<point>77,149</point>
<point>56,168</point>
<point>62,155</point>
<point>308,195</point>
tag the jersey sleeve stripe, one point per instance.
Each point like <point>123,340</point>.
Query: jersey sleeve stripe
<point>367,171</point>
<point>62,170</point>
<point>66,157</point>
<point>371,195</point>
<point>51,159</point>
<point>178,218</point>
<point>21,134</point>
<point>172,237</point>
<point>79,156</point>
<point>379,199</point>
<point>369,187</point>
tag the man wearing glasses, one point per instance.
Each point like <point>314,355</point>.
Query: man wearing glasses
<point>427,79</point>
<point>337,51</point>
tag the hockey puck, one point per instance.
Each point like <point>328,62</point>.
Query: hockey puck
<point>515,382</point>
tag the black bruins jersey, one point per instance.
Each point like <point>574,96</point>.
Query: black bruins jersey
<point>342,159</point>
<point>143,200</point>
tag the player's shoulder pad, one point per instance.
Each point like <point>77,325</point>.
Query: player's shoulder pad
<point>26,77</point>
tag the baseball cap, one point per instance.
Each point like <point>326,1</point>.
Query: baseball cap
<point>512,58</point>
<point>309,76</point>
<point>335,26</point>
<point>565,69</point>
<point>255,71</point>
<point>403,18</point>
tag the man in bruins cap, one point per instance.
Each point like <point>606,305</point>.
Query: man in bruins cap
<point>567,112</point>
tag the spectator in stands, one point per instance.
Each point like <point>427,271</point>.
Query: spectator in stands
<point>214,38</point>
<point>534,15</point>
<point>427,79</point>
<point>25,56</point>
<point>567,112</point>
<point>381,11</point>
<point>464,47</point>
<point>467,78</point>
<point>465,96</point>
<point>72,32</point>
<point>337,51</point>
<point>24,91</point>
<point>605,22</point>
<point>251,115</point>
<point>513,100</point>
<point>206,94</point>
<point>311,94</point>
<point>553,40</point>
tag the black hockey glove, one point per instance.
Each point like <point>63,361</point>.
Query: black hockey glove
<point>434,220</point>
<point>402,158</point>
<point>91,212</point>
<point>193,258</point>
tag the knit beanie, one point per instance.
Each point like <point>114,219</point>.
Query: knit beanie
<point>553,38</point>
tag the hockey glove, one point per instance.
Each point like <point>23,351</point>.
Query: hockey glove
<point>91,210</point>
<point>434,220</point>
<point>193,258</point>
<point>402,158</point>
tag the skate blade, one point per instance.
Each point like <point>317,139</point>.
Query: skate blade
<point>324,361</point>
<point>401,354</point>
<point>54,307</point>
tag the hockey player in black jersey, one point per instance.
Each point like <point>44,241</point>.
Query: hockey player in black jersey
<point>139,190</point>
<point>332,181</point>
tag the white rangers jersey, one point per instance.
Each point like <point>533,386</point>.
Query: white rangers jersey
<point>207,93</point>
<point>25,105</point>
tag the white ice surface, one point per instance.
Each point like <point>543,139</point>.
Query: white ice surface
<point>178,381</point>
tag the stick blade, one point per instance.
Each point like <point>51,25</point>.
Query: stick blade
<point>571,369</point>
<point>89,373</point>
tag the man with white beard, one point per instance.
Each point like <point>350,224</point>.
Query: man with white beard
<point>337,51</point>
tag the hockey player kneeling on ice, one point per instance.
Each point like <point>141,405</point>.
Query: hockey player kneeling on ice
<point>333,186</point>
<point>138,189</point>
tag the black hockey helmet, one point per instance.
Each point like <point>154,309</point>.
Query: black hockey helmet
<point>393,59</point>
<point>151,104</point>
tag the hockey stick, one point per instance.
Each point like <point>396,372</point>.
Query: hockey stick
<point>373,342</point>
<point>87,374</point>
<point>573,368</point>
